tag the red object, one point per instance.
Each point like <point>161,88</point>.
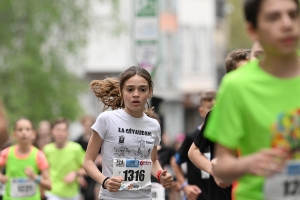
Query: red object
<point>158,174</point>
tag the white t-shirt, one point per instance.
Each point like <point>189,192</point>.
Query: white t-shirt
<point>125,137</point>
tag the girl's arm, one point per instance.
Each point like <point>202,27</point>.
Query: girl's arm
<point>261,163</point>
<point>92,150</point>
<point>155,164</point>
<point>3,178</point>
<point>3,158</point>
<point>165,178</point>
<point>43,180</point>
<point>113,183</point>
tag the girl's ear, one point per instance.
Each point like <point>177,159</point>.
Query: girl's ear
<point>120,92</point>
<point>150,94</point>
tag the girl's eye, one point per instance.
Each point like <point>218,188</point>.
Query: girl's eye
<point>129,90</point>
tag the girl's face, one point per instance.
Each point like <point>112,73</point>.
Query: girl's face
<point>24,132</point>
<point>135,94</point>
<point>60,133</point>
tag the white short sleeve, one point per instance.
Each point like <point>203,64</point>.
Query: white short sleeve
<point>100,126</point>
<point>158,135</point>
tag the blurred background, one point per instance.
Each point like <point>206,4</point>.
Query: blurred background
<point>51,50</point>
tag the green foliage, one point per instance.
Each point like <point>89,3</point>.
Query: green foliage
<point>37,39</point>
<point>237,36</point>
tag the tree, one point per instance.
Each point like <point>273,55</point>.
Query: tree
<point>237,36</point>
<point>38,40</point>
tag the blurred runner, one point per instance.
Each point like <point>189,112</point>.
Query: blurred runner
<point>196,185</point>
<point>23,162</point>
<point>65,159</point>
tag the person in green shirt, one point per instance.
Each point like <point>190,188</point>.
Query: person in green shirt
<point>66,160</point>
<point>257,110</point>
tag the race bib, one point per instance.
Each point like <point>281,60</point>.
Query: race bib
<point>284,185</point>
<point>2,189</point>
<point>136,173</point>
<point>22,187</point>
<point>204,174</point>
<point>158,192</point>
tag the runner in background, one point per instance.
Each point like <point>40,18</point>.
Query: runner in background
<point>217,188</point>
<point>4,142</point>
<point>87,185</point>
<point>257,110</point>
<point>128,138</point>
<point>23,162</point>
<point>43,134</point>
<point>196,185</point>
<point>65,159</point>
<point>164,154</point>
<point>3,127</point>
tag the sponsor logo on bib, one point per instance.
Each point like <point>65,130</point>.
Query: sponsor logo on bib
<point>132,163</point>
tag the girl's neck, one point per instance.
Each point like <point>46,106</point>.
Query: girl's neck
<point>282,67</point>
<point>134,114</point>
<point>61,145</point>
<point>24,148</point>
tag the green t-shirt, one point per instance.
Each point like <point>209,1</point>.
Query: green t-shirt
<point>63,161</point>
<point>255,110</point>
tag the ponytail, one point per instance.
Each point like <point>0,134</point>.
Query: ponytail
<point>150,112</point>
<point>108,92</point>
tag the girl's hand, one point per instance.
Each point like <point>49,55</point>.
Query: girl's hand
<point>267,162</point>
<point>113,184</point>
<point>166,179</point>
<point>3,178</point>
<point>70,177</point>
<point>29,173</point>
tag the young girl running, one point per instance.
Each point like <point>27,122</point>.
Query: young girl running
<point>23,162</point>
<point>127,136</point>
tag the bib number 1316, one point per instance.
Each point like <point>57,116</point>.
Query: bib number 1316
<point>131,175</point>
<point>136,174</point>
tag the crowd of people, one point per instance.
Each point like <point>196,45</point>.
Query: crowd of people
<point>246,149</point>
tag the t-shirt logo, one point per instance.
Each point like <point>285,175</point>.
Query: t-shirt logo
<point>286,132</point>
<point>121,139</point>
